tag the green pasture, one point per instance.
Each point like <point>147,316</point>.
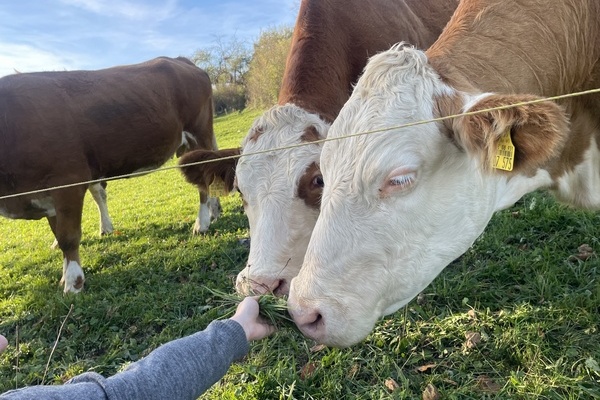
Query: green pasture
<point>516,317</point>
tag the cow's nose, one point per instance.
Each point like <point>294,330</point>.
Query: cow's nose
<point>310,322</point>
<point>257,285</point>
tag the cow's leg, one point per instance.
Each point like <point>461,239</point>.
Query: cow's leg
<point>98,191</point>
<point>66,226</point>
<point>210,209</point>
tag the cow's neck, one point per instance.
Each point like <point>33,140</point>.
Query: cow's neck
<point>521,47</point>
<point>516,51</point>
<point>332,42</point>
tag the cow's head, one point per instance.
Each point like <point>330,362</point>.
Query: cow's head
<point>401,205</point>
<point>281,192</point>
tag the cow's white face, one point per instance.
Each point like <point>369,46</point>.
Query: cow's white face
<point>281,191</point>
<point>398,206</point>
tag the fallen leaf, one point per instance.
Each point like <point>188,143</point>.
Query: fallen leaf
<point>486,384</point>
<point>308,370</point>
<point>391,384</point>
<point>585,251</point>
<point>585,248</point>
<point>317,347</point>
<point>472,314</point>
<point>431,393</point>
<point>425,368</point>
<point>473,339</point>
<point>353,371</point>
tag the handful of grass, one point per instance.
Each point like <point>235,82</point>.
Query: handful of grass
<point>272,308</point>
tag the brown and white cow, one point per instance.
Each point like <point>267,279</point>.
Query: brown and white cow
<point>66,127</point>
<point>331,43</point>
<point>400,206</point>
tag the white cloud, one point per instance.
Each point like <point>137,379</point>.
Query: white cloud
<point>25,58</point>
<point>133,10</point>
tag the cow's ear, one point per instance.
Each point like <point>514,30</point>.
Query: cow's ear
<point>516,139</point>
<point>204,174</point>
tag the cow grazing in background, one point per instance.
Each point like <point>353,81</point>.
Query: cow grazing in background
<point>66,127</point>
<point>281,190</point>
<point>400,206</point>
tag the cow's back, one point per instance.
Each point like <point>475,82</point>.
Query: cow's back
<point>333,40</point>
<point>93,119</point>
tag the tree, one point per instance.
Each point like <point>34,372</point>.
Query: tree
<point>267,66</point>
<point>226,63</point>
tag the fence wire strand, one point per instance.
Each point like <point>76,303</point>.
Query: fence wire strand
<point>275,149</point>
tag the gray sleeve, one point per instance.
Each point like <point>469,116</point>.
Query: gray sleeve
<point>181,369</point>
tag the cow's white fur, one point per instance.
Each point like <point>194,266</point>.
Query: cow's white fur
<point>581,186</point>
<point>207,212</point>
<point>72,274</point>
<point>371,254</point>
<point>280,222</point>
<point>99,195</point>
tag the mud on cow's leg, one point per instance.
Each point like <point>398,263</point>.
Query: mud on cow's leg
<point>210,209</point>
<point>66,226</point>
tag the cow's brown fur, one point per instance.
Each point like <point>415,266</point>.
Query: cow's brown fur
<point>332,42</point>
<point>502,46</point>
<point>308,189</point>
<point>223,170</point>
<point>65,127</point>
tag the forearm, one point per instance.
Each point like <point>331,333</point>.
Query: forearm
<point>184,368</point>
<point>181,369</point>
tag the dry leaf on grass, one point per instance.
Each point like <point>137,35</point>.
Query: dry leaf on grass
<point>317,347</point>
<point>486,384</point>
<point>473,339</point>
<point>391,384</point>
<point>584,252</point>
<point>308,370</point>
<point>426,367</point>
<point>431,393</point>
<point>472,314</point>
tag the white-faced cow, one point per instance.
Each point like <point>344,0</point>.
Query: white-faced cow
<point>66,127</point>
<point>400,206</point>
<point>281,191</point>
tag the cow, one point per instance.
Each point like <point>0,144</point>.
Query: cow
<point>281,191</point>
<point>63,128</point>
<point>399,206</point>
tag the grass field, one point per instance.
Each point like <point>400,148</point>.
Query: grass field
<point>516,317</point>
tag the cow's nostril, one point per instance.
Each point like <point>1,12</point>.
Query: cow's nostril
<point>282,288</point>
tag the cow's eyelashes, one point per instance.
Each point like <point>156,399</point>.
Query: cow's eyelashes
<point>401,181</point>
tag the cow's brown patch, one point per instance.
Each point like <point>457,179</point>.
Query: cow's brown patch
<point>310,187</point>
<point>538,131</point>
<point>311,134</point>
<point>203,175</point>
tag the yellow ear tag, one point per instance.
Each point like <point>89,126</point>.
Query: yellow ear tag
<point>217,189</point>
<point>505,153</point>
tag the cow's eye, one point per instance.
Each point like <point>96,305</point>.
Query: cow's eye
<point>317,181</point>
<point>401,181</point>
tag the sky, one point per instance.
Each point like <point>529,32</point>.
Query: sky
<point>58,35</point>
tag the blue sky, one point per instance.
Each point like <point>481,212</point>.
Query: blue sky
<point>38,35</point>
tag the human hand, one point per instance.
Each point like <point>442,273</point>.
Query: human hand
<point>247,316</point>
<point>3,343</point>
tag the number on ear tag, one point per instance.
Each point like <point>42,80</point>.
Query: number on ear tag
<point>217,189</point>
<point>505,153</point>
